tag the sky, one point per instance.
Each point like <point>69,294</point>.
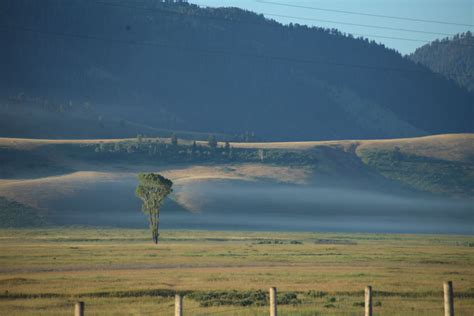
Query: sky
<point>456,11</point>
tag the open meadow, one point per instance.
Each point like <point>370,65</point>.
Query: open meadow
<point>120,272</point>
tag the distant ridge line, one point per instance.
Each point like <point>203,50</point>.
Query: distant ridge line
<point>364,13</point>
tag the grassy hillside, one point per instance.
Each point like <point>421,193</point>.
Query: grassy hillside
<point>439,164</point>
<point>423,173</point>
<point>79,177</point>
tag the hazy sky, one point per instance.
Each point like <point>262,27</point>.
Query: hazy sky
<point>457,11</point>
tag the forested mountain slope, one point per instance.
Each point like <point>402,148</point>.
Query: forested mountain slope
<point>176,66</point>
<point>453,57</point>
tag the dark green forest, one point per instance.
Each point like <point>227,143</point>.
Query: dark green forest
<point>453,57</point>
<point>115,69</point>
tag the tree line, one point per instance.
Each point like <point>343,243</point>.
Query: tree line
<point>174,150</point>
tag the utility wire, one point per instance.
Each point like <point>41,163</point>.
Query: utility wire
<point>218,52</point>
<point>364,14</point>
<point>262,23</point>
<point>361,25</point>
<point>210,51</point>
<point>276,15</point>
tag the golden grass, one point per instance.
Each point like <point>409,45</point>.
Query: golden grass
<point>451,147</point>
<point>456,147</point>
<point>35,192</point>
<point>238,172</point>
<point>39,192</point>
<point>30,143</point>
<point>447,146</point>
<point>76,262</point>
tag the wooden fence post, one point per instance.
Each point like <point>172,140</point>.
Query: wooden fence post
<point>178,305</point>
<point>273,301</point>
<point>448,298</point>
<point>368,300</point>
<point>79,309</point>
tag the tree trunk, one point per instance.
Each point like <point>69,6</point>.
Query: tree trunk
<point>157,226</point>
<point>154,227</point>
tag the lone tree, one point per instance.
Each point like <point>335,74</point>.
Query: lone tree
<point>152,189</point>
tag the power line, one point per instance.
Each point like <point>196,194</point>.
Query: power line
<point>364,14</point>
<point>218,52</point>
<point>413,40</point>
<point>262,23</point>
<point>393,38</point>
<point>281,16</point>
<point>361,25</point>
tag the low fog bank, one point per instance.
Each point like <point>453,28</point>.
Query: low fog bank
<point>245,205</point>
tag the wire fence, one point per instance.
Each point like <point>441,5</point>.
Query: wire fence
<point>301,304</point>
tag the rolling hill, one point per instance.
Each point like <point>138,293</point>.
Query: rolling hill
<point>118,69</point>
<point>426,177</point>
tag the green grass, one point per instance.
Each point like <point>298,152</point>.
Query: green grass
<point>120,272</point>
<point>14,214</point>
<point>423,173</point>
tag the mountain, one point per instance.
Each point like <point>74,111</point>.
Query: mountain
<point>452,57</point>
<point>92,69</point>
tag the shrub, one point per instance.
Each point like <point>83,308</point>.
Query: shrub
<point>316,294</point>
<point>241,298</point>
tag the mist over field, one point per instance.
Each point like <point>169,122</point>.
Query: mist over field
<point>249,205</point>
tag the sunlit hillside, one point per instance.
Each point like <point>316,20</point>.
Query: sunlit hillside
<point>67,182</point>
